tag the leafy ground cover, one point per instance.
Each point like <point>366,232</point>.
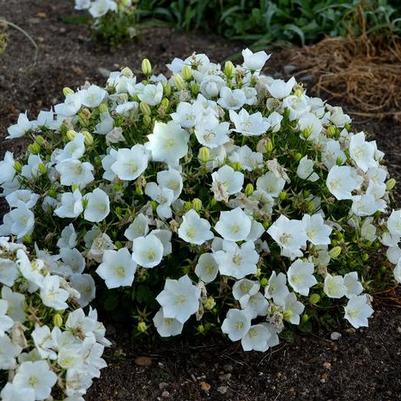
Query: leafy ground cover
<point>363,365</point>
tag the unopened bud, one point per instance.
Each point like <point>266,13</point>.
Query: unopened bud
<point>283,195</point>
<point>298,156</point>
<point>34,148</point>
<point>145,108</point>
<point>339,161</point>
<point>237,166</point>
<point>147,120</point>
<point>249,189</point>
<point>88,138</point>
<point>71,134</point>
<point>204,154</point>
<point>335,252</point>
<point>146,67</point>
<point>210,303</point>
<point>264,281</point>
<point>67,91</point>
<point>40,140</point>
<point>42,168</point>
<point>390,184</point>
<point>306,133</point>
<point>142,327</point>
<point>229,69</point>
<point>269,145</point>
<point>57,320</point>
<point>179,82</point>
<point>197,204</point>
<point>195,88</point>
<point>18,167</point>
<point>186,72</point>
<point>331,131</point>
<point>201,329</point>
<point>166,89</point>
<point>127,72</point>
<point>314,299</point>
<point>103,108</point>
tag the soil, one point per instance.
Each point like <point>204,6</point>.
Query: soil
<point>363,365</point>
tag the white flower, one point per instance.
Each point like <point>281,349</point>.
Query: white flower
<point>163,196</point>
<point>130,163</point>
<point>237,261</point>
<point>117,269</point>
<point>7,170</point>
<point>256,339</point>
<point>362,152</point>
<point>249,124</point>
<point>254,61</point>
<point>167,327</point>
<point>352,284</point>
<point>277,288</point>
<point>236,324</point>
<point>68,237</point>
<point>305,170</point>
<point>138,228</point>
<point>168,142</point>
<point>246,158</point>
<point>334,286</point>
<point>292,309</point>
<point>147,251</point>
<point>8,352</point>
<point>19,222</point>
<point>234,225</point>
<point>300,276</point>
<point>332,153</point>
<point>52,294</point>
<point>231,99</point>
<point>226,182</point>
<point>93,96</point>
<point>317,232</point>
<point>5,321</point>
<point>12,392</point>
<point>22,197</point>
<point>21,128</point>
<point>280,89</point>
<point>8,272</point>
<point>397,272</point>
<point>70,107</point>
<point>309,124</point>
<point>211,85</point>
<point>194,229</point>
<point>185,115</point>
<point>290,235</point>
<point>342,180</point>
<point>274,119</point>
<point>151,94</point>
<point>97,206</point>
<point>74,149</point>
<point>44,342</point>
<point>82,4</point>
<point>31,169</point>
<point>165,238</point>
<point>337,116</point>
<point>172,180</point>
<point>255,305</point>
<point>245,287</point>
<point>99,8</point>
<point>211,133</point>
<point>270,184</point>
<point>179,299</point>
<point>207,268</point>
<point>16,304</point>
<point>358,311</point>
<point>74,172</point>
<point>85,285</point>
<point>70,205</point>
<point>394,223</point>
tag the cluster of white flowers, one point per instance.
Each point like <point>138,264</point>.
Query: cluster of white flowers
<point>224,192</point>
<point>48,346</point>
<point>99,8</point>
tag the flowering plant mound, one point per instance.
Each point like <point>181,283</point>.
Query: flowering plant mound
<point>48,345</point>
<point>113,20</point>
<point>213,197</point>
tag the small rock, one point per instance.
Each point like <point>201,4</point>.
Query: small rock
<point>222,389</point>
<point>289,69</point>
<point>41,15</point>
<point>163,385</point>
<point>165,394</point>
<point>327,365</point>
<point>399,330</point>
<point>205,386</point>
<point>334,336</point>
<point>143,361</point>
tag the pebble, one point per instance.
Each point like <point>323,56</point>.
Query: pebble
<point>143,361</point>
<point>205,387</point>
<point>334,336</point>
<point>222,389</point>
<point>163,385</point>
<point>165,394</point>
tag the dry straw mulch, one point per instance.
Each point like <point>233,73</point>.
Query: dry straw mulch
<point>363,72</point>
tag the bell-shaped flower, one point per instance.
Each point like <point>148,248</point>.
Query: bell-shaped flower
<point>317,231</point>
<point>85,285</point>
<point>8,352</point>
<point>271,184</point>
<point>292,309</point>
<point>70,205</point>
<point>171,179</point>
<point>117,268</point>
<point>21,128</point>
<point>12,392</point>
<point>151,94</point>
<point>352,285</point>
<point>332,153</point>
<point>8,272</point>
<point>165,238</point>
<point>334,286</point>
<point>394,223</point>
<point>300,276</point>
<point>75,172</point>
<point>19,222</point>
<point>358,311</point>
<point>249,124</point>
<point>254,61</point>
<point>248,160</point>
<point>6,323</point>
<point>362,152</point>
<point>194,229</point>
<point>305,170</point>
<point>70,107</point>
<point>16,304</point>
<point>147,251</point>
<point>68,237</point>
<point>277,288</point>
<point>163,196</point>
<point>280,89</point>
<point>257,338</point>
<point>237,261</point>
<point>93,96</point>
<point>234,225</point>
<point>167,327</point>
<point>231,99</point>
<point>245,287</point>
<point>236,324</point>
<point>179,299</point>
<point>226,182</point>
<point>130,163</point>
<point>99,8</point>
<point>97,206</point>
<point>207,268</point>
<point>138,228</point>
<point>52,294</point>
<point>22,197</point>
<point>342,181</point>
<point>7,169</point>
<point>211,133</point>
<point>185,115</point>
<point>255,305</point>
<point>168,143</point>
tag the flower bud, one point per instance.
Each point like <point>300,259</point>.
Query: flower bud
<point>147,120</point>
<point>146,67</point>
<point>249,189</point>
<point>57,320</point>
<point>71,134</point>
<point>335,252</point>
<point>210,303</point>
<point>269,145</point>
<point>40,140</point>
<point>314,299</point>
<point>304,318</point>
<point>298,156</point>
<point>229,69</point>
<point>142,327</point>
<point>179,82</point>
<point>204,154</point>
<point>298,90</point>
<point>187,206</point>
<point>166,89</point>
<point>264,281</point>
<point>283,195</point>
<point>339,161</point>
<point>186,72</point>
<point>237,166</point>
<point>34,148</point>
<point>197,204</point>
<point>306,133</point>
<point>18,167</point>
<point>74,187</point>
<point>200,329</point>
<point>103,108</point>
<point>88,138</point>
<point>145,109</point>
<point>331,131</point>
<point>27,239</point>
<point>67,91</point>
<point>127,72</point>
<point>390,184</point>
<point>42,168</point>
<point>365,257</point>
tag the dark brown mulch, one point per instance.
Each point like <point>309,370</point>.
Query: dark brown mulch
<point>360,366</point>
